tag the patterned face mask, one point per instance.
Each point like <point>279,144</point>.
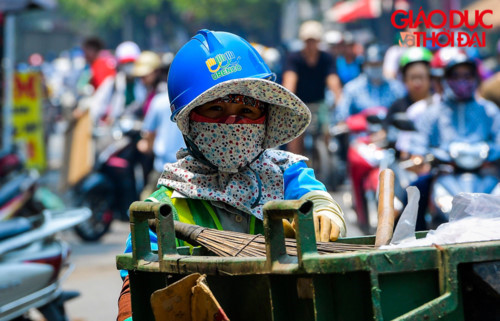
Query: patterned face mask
<point>460,89</point>
<point>229,147</point>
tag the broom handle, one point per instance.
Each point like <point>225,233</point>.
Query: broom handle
<point>385,224</point>
<point>187,232</point>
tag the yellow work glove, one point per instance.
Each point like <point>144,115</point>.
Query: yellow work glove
<point>288,229</point>
<point>329,221</point>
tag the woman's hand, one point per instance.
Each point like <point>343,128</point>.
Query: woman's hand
<point>328,217</point>
<point>145,144</point>
<point>325,228</point>
<point>288,229</point>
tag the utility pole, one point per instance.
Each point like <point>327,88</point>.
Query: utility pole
<point>8,79</point>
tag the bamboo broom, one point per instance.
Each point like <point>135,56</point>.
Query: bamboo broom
<point>227,243</point>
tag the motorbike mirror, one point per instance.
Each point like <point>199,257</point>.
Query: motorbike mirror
<point>401,122</point>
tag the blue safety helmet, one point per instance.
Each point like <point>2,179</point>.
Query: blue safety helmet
<point>215,64</point>
<point>208,59</point>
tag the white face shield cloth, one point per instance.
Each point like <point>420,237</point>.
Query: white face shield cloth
<point>229,147</point>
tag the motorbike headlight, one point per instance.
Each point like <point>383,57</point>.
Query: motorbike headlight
<point>442,198</point>
<point>467,156</point>
<point>469,162</point>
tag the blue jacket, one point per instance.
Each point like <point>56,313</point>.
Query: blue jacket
<point>474,121</point>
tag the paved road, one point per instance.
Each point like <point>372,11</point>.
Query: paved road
<point>96,277</point>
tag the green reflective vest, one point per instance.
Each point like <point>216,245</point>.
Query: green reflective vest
<point>196,211</point>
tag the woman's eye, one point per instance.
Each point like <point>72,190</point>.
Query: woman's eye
<point>247,110</point>
<point>215,108</point>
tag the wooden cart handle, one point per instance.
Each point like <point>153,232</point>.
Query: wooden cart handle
<point>385,224</point>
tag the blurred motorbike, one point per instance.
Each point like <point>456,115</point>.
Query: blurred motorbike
<point>34,262</point>
<point>368,153</point>
<point>322,149</point>
<point>17,188</point>
<point>464,168</point>
<point>115,181</point>
<point>324,160</point>
<point>364,158</point>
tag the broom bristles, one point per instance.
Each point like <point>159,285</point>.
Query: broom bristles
<point>228,243</point>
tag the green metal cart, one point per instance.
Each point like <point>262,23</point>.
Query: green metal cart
<point>453,282</point>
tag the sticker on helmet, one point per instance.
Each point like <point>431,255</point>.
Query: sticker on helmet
<point>223,64</point>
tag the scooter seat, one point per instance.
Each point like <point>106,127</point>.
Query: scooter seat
<point>14,226</point>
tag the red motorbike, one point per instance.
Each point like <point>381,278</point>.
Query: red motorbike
<point>366,156</point>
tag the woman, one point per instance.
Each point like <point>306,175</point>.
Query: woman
<point>231,116</point>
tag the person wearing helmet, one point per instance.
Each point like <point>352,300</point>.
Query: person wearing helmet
<point>309,73</point>
<point>234,98</point>
<point>438,64</point>
<point>127,53</point>
<point>459,116</point>
<point>348,63</point>
<point>489,88</point>
<point>415,110</point>
<point>334,40</point>
<point>147,67</point>
<point>369,89</point>
<point>160,137</point>
<point>437,69</point>
<point>232,114</point>
<point>128,92</point>
<point>415,71</point>
<point>99,73</point>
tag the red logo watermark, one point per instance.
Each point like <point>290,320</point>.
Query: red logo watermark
<point>443,25</point>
